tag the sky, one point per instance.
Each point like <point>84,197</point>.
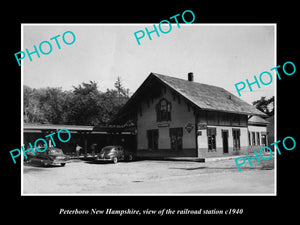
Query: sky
<point>218,54</point>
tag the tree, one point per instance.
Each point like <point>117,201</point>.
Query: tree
<point>44,105</point>
<point>32,111</point>
<point>122,92</point>
<point>265,105</point>
<point>84,105</point>
<point>51,101</point>
<point>114,99</point>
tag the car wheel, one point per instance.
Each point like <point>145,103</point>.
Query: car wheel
<point>63,164</point>
<point>130,157</point>
<point>115,159</point>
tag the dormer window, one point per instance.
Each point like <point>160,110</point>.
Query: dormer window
<point>163,110</point>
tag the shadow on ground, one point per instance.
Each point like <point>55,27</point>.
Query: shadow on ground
<point>260,167</point>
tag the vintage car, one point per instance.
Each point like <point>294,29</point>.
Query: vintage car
<point>114,154</point>
<point>52,156</point>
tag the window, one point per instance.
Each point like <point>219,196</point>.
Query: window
<point>263,139</point>
<point>236,139</point>
<point>163,110</point>
<point>253,138</point>
<point>249,138</point>
<point>176,138</point>
<point>211,138</point>
<point>225,140</point>
<point>258,138</point>
<point>152,136</point>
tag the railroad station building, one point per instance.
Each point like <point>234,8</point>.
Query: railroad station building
<point>182,118</point>
<point>172,117</point>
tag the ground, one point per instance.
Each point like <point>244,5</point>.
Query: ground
<point>151,177</point>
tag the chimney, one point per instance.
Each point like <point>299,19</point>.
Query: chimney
<point>190,77</point>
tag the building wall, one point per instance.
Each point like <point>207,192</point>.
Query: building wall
<point>221,121</point>
<point>181,115</point>
<point>202,139</point>
<point>195,142</point>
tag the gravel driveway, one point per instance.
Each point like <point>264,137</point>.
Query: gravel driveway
<point>150,177</point>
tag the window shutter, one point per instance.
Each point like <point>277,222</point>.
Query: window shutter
<point>157,107</point>
<point>169,107</point>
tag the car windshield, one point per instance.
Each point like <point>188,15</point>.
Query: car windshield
<point>108,149</point>
<point>55,151</point>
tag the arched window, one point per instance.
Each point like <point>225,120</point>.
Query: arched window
<point>163,110</point>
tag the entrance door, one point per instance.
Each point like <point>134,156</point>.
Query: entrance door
<point>176,138</point>
<point>236,139</point>
<point>264,139</point>
<point>152,136</point>
<point>225,140</point>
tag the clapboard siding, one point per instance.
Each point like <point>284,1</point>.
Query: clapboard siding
<point>181,115</point>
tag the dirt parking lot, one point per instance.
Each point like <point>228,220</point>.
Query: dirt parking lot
<point>150,177</point>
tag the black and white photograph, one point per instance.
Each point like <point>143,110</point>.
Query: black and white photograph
<point>161,116</point>
<point>141,111</point>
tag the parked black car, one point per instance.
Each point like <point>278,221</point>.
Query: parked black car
<point>114,154</point>
<point>52,156</point>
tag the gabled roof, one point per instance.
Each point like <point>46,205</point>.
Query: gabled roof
<point>257,120</point>
<point>209,97</point>
<point>200,96</point>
